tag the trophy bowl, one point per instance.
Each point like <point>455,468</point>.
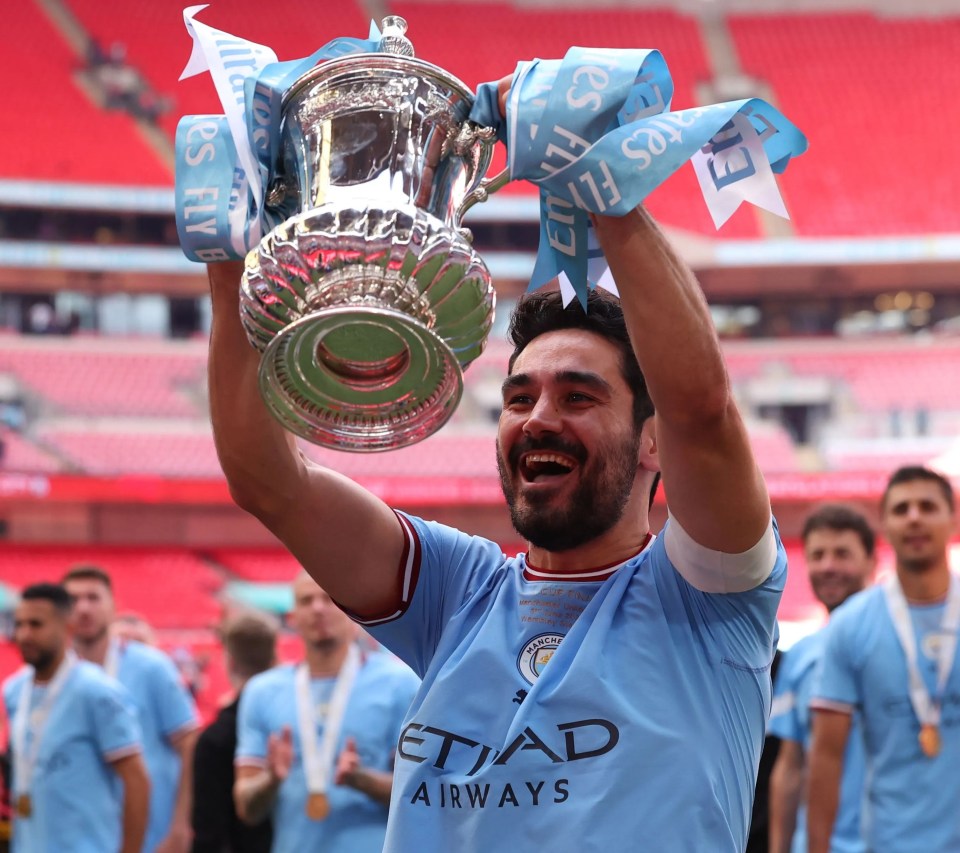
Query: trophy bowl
<point>368,301</point>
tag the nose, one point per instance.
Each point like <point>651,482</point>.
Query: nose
<point>914,512</point>
<point>544,417</point>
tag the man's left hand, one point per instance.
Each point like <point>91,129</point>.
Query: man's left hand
<point>178,840</point>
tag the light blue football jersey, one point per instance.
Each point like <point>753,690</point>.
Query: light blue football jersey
<point>615,710</point>
<point>76,798</point>
<point>911,802</point>
<point>165,708</point>
<point>791,719</point>
<point>378,701</point>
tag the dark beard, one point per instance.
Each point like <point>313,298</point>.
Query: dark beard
<point>44,659</point>
<point>596,505</point>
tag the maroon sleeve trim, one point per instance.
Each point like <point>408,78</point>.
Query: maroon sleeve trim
<point>408,569</point>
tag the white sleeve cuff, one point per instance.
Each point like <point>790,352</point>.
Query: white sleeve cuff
<point>715,571</point>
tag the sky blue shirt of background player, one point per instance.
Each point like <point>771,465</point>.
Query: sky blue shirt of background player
<point>911,801</point>
<point>492,761</point>
<point>374,713</point>
<point>76,798</point>
<point>165,709</point>
<point>790,719</point>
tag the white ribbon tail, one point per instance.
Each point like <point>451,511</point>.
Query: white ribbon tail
<point>197,63</point>
<point>733,168</point>
<point>230,61</point>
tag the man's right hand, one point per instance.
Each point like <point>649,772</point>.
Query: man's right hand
<point>280,754</point>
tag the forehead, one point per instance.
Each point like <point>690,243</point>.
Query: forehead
<point>305,586</point>
<point>569,350</point>
<point>828,538</point>
<point>86,586</point>
<point>926,491</point>
<point>34,610</point>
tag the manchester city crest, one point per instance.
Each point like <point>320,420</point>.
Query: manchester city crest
<point>536,655</point>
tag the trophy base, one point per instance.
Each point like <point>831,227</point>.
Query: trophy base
<point>366,316</point>
<point>360,379</point>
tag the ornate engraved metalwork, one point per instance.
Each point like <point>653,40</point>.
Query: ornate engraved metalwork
<point>368,301</point>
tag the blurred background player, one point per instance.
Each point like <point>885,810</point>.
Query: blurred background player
<point>166,711</point>
<point>250,647</point>
<point>890,660</point>
<point>838,548</point>
<point>79,782</point>
<point>316,740</point>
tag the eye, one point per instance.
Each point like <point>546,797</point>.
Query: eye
<point>518,400</point>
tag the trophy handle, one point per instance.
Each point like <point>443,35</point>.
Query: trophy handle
<point>471,134</point>
<point>482,192</point>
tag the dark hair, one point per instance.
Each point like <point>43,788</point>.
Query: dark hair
<point>543,311</point>
<point>52,592</point>
<point>841,517</point>
<point>85,572</point>
<point>538,313</point>
<point>912,473</point>
<point>251,641</point>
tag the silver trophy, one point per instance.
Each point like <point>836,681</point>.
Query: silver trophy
<point>369,301</point>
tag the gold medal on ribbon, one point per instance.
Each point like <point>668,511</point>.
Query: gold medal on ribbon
<point>24,806</point>
<point>929,740</point>
<point>318,806</point>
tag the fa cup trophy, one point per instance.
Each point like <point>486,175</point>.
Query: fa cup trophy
<point>369,301</point>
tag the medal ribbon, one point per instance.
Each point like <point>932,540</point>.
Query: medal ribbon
<point>25,759</point>
<point>111,661</point>
<point>926,708</point>
<point>318,759</point>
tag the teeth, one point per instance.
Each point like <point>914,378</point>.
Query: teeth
<point>548,457</point>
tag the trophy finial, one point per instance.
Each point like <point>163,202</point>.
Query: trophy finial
<point>393,39</point>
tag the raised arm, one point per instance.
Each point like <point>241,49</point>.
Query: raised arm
<point>712,482</point>
<point>345,537</point>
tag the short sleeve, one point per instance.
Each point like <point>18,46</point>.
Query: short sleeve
<point>738,628</point>
<point>175,707</point>
<point>252,734</point>
<point>113,719</point>
<point>449,566</point>
<point>836,683</point>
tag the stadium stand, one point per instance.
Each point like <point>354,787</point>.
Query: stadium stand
<point>873,89</point>
<point>106,377</point>
<point>171,587</point>
<point>869,91</point>
<point>53,129</point>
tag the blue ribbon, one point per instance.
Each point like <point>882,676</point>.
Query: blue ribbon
<point>218,217</point>
<point>595,132</point>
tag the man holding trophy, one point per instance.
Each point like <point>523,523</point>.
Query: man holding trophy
<point>607,690</point>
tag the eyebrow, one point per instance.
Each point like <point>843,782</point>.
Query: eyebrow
<point>564,377</point>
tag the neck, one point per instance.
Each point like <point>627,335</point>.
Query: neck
<point>925,587</point>
<point>41,675</point>
<point>94,650</point>
<point>325,659</point>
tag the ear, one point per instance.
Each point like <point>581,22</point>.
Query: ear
<point>648,458</point>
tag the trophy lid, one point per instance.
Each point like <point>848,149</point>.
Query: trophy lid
<point>395,54</point>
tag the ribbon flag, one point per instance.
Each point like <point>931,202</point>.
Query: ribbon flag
<point>593,131</point>
<point>224,163</point>
<point>596,134</point>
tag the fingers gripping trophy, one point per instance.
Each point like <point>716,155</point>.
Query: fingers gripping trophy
<point>369,301</point>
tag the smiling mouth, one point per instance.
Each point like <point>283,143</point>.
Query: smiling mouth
<point>544,466</point>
